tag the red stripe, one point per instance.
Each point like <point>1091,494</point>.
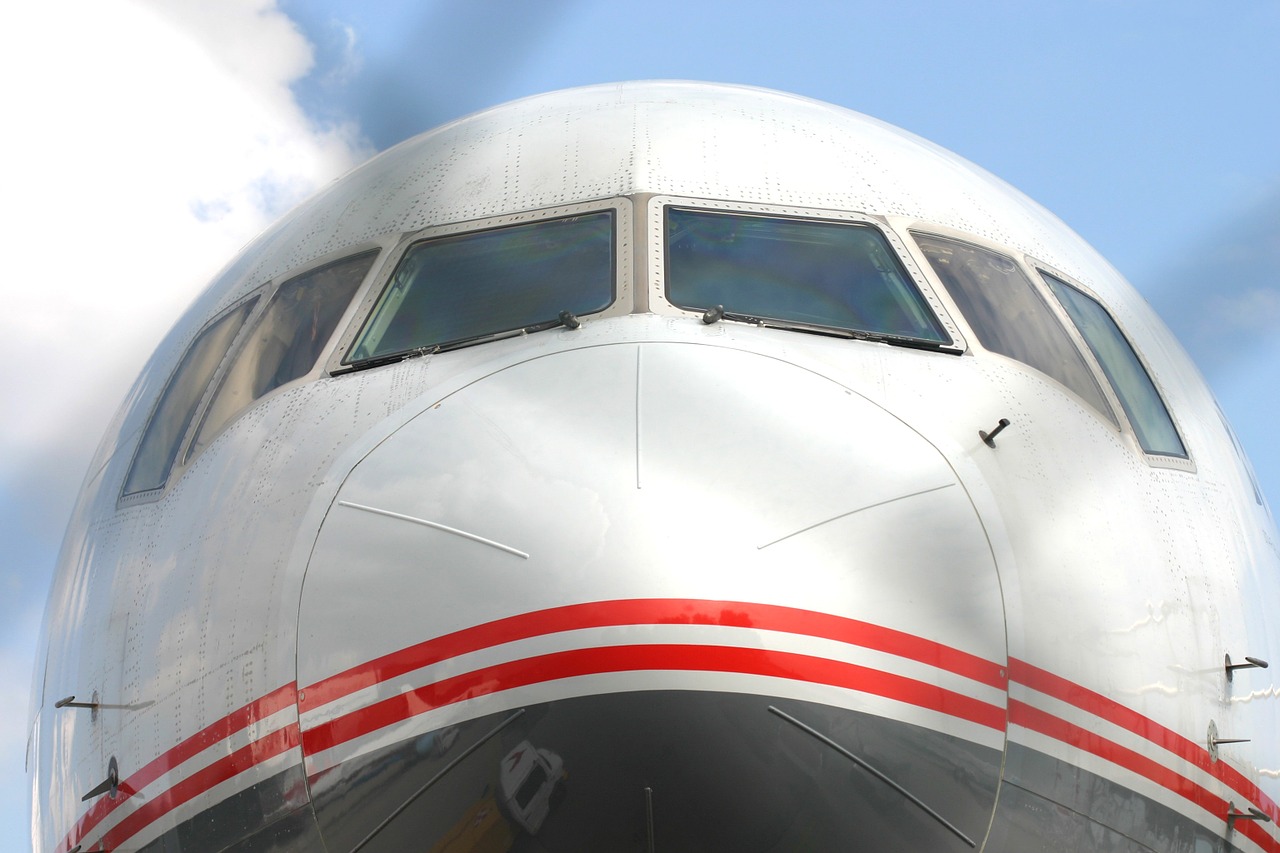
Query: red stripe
<point>215,732</point>
<point>1027,716</point>
<point>1113,712</point>
<point>656,611</point>
<point>245,758</point>
<point>650,657</point>
<point>654,657</point>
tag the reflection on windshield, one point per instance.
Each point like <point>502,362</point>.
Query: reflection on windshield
<point>286,342</point>
<point>467,286</point>
<point>158,448</point>
<point>1138,395</point>
<point>841,275</point>
<point>1009,315</point>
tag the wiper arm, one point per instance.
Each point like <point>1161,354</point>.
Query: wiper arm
<point>834,331</point>
<point>379,361</point>
<point>791,325</point>
<point>902,341</point>
<point>567,319</point>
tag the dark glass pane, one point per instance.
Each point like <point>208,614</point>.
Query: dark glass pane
<point>172,417</point>
<point>287,340</point>
<point>465,286</point>
<point>1008,314</point>
<point>838,274</point>
<point>1138,395</point>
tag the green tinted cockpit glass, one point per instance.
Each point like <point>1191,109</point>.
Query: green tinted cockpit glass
<point>1008,314</point>
<point>841,275</point>
<point>462,287</point>
<point>1138,395</point>
<point>286,342</point>
<point>158,449</point>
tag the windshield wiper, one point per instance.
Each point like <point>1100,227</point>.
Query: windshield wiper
<point>717,313</point>
<point>567,319</point>
<point>379,361</point>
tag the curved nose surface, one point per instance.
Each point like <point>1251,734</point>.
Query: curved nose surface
<point>640,549</point>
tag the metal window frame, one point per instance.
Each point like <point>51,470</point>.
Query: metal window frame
<point>264,294</point>
<point>657,251</point>
<point>622,262</point>
<point>1155,460</point>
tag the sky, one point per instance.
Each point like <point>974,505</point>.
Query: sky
<point>149,141</point>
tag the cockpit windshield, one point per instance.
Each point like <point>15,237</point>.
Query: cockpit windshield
<point>823,274</point>
<point>460,288</point>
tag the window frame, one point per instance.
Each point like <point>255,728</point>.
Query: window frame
<point>270,292</point>
<point>178,463</point>
<point>263,295</point>
<point>1114,420</point>
<point>655,216</point>
<point>1155,460</point>
<point>623,263</point>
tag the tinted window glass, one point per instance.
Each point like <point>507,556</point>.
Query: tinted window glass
<point>287,340</point>
<point>838,274</point>
<point>1138,395</point>
<point>172,417</point>
<point>1008,314</point>
<point>466,286</point>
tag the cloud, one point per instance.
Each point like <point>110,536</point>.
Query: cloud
<point>424,63</point>
<point>1253,312</point>
<point>147,144</point>
<point>1221,293</point>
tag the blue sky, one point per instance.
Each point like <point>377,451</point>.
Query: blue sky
<point>152,140</point>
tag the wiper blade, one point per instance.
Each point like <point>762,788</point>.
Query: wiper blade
<point>379,361</point>
<point>839,332</point>
<point>566,319</point>
<point>910,343</point>
<point>790,325</point>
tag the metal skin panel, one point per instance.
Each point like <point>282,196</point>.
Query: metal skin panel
<point>642,533</point>
<point>676,482</point>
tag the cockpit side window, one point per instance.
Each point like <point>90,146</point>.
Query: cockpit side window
<point>287,340</point>
<point>1009,315</point>
<point>826,274</point>
<point>1136,391</point>
<point>460,288</point>
<point>172,417</point>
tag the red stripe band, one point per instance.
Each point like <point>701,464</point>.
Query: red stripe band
<point>653,611</point>
<point>1024,715</point>
<point>216,732</point>
<point>1094,703</point>
<point>245,758</point>
<point>670,657</point>
<point>650,657</point>
<point>1113,712</point>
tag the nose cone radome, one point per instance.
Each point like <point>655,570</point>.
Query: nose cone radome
<point>606,538</point>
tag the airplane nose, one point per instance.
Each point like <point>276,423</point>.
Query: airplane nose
<point>652,596</point>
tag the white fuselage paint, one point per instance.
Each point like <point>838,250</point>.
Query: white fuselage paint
<point>1063,582</point>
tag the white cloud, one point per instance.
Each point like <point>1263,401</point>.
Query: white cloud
<point>147,144</point>
<point>1255,311</point>
<point>351,60</point>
